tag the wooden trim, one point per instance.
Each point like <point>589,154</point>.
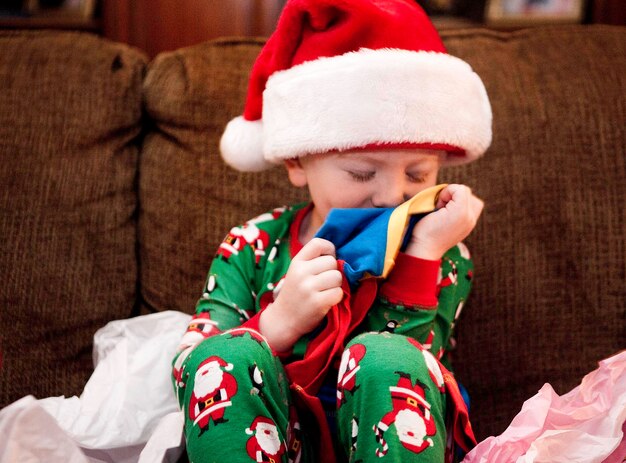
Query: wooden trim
<point>116,20</point>
<point>608,12</point>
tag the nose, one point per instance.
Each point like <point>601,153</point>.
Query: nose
<point>391,195</point>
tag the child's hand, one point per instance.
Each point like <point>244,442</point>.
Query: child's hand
<point>311,287</point>
<point>456,216</point>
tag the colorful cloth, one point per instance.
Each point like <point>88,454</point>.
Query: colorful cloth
<point>419,300</point>
<point>368,240</point>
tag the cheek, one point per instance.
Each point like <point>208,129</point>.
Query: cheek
<point>431,180</point>
<point>416,188</point>
<point>335,202</point>
<point>338,192</point>
<point>433,176</point>
<point>352,195</point>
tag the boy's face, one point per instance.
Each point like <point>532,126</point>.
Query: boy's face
<point>363,178</point>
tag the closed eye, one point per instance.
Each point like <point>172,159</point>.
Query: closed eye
<point>361,176</point>
<point>416,178</point>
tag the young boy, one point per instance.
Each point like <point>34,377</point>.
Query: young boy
<point>285,360</point>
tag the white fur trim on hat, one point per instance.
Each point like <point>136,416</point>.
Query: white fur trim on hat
<point>386,96</point>
<point>241,145</point>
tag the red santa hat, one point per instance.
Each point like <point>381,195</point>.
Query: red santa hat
<point>347,74</point>
<point>220,361</point>
<point>259,420</point>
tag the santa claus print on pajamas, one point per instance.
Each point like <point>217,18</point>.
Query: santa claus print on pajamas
<point>431,363</point>
<point>265,444</point>
<point>451,278</point>
<point>249,235</point>
<point>346,380</point>
<point>213,391</point>
<point>411,415</point>
<point>199,328</point>
<point>294,431</point>
<point>239,237</point>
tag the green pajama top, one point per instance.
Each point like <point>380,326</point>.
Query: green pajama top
<point>420,298</point>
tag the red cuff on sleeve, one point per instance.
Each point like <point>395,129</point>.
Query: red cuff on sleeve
<point>413,281</point>
<point>253,324</point>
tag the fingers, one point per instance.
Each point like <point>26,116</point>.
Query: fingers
<point>315,248</point>
<point>317,275</point>
<point>330,297</point>
<point>477,206</point>
<point>453,192</point>
<point>314,269</point>
<point>316,258</point>
<point>320,264</point>
<point>463,196</point>
<point>456,216</point>
<point>327,280</point>
<point>444,196</point>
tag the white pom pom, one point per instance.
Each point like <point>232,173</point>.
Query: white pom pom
<point>242,145</point>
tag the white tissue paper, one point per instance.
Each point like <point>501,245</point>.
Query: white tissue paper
<point>127,412</point>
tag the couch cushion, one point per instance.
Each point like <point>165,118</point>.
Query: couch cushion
<point>549,250</point>
<point>549,298</point>
<point>69,121</point>
<point>189,197</point>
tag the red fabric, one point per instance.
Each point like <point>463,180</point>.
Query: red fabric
<point>460,426</point>
<point>452,150</point>
<point>253,323</point>
<point>306,375</point>
<point>402,287</point>
<point>310,371</point>
<point>310,404</point>
<point>294,244</point>
<point>311,29</point>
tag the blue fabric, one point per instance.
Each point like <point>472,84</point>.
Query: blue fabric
<point>360,235</point>
<point>360,239</point>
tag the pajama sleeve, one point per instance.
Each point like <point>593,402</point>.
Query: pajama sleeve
<point>248,261</point>
<point>226,302</point>
<point>423,298</point>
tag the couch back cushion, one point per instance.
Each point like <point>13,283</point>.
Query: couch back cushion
<point>549,299</point>
<point>549,249</point>
<point>69,121</point>
<point>189,198</point>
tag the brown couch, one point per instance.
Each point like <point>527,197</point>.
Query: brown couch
<point>113,199</point>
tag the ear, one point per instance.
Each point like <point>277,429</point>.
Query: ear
<point>297,175</point>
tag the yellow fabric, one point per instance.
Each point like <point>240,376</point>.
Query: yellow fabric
<point>424,201</point>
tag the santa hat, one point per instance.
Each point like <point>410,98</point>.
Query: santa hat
<point>220,361</point>
<point>347,74</point>
<point>259,420</point>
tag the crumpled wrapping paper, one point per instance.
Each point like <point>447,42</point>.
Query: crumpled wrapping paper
<point>126,413</point>
<point>586,425</point>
